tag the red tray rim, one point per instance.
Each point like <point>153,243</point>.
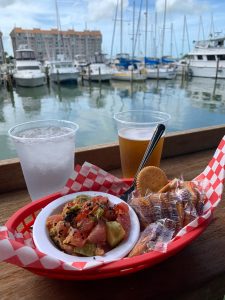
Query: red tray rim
<point>117,268</point>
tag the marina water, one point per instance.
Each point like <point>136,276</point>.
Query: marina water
<point>193,104</point>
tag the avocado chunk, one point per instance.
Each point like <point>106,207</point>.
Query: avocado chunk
<point>87,250</point>
<point>114,233</point>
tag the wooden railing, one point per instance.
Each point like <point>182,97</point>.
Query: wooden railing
<point>107,156</point>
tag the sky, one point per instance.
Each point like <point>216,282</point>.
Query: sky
<point>202,17</point>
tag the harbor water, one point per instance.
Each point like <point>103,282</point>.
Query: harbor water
<point>193,104</point>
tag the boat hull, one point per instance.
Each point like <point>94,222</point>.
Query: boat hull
<point>209,72</point>
<point>97,77</point>
<point>30,81</point>
<point>161,73</point>
<point>129,77</point>
<point>64,77</point>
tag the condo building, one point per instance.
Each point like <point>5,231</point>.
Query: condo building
<point>2,55</point>
<point>47,44</point>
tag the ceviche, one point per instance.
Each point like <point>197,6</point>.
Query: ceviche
<point>89,226</point>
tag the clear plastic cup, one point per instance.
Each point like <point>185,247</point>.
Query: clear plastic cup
<point>46,150</point>
<point>135,130</point>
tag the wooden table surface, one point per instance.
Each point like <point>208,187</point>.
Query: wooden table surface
<point>197,272</point>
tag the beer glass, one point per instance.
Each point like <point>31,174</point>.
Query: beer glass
<point>135,129</point>
<point>46,152</point>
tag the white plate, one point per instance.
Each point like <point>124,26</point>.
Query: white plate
<point>44,243</point>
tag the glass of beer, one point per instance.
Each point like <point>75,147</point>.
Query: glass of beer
<point>135,129</point>
<point>46,150</point>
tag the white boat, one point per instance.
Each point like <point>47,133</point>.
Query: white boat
<point>161,72</point>
<point>207,59</point>
<point>182,67</point>
<point>97,69</point>
<point>28,71</point>
<point>80,61</point>
<point>62,70</point>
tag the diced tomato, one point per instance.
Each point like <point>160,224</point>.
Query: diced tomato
<point>82,215</point>
<point>100,199</point>
<point>121,208</point>
<point>53,220</point>
<point>85,226</point>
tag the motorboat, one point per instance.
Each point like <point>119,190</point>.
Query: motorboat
<point>28,71</point>
<point>80,61</point>
<point>62,70</point>
<point>97,69</point>
<point>207,59</point>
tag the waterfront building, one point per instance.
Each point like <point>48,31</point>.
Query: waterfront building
<point>47,44</point>
<point>2,55</point>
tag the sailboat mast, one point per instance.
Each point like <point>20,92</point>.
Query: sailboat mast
<point>189,48</point>
<point>114,30</point>
<point>212,31</point>
<point>138,25</point>
<point>146,27</point>
<point>182,50</point>
<point>155,34</point>
<point>58,25</point>
<point>171,40</point>
<point>121,26</point>
<point>163,31</point>
<point>133,27</point>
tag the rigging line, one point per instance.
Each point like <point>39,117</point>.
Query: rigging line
<point>114,30</point>
<point>59,29</point>
<point>138,26</point>
<point>164,25</point>
<point>146,27</point>
<point>189,48</point>
<point>121,26</point>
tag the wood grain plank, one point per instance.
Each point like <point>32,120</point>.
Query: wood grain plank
<point>197,272</point>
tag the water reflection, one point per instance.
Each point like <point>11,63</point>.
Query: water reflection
<point>66,92</point>
<point>192,104</point>
<point>128,89</point>
<point>31,97</point>
<point>207,93</point>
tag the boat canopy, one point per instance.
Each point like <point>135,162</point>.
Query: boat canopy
<point>167,60</point>
<point>151,61</point>
<point>125,63</point>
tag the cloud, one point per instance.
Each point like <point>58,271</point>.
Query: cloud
<point>184,7</point>
<point>5,3</point>
<point>101,10</point>
<point>8,3</point>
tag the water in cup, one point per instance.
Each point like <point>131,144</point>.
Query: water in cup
<point>46,152</point>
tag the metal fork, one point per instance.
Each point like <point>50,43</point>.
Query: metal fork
<point>151,146</point>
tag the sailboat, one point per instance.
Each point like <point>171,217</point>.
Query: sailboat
<point>127,68</point>
<point>61,70</point>
<point>159,68</point>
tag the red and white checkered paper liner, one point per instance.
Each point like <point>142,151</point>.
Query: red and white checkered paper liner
<point>19,249</point>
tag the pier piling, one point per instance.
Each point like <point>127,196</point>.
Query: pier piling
<point>216,77</point>
<point>99,78</point>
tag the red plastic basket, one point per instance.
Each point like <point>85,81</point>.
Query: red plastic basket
<point>24,218</point>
